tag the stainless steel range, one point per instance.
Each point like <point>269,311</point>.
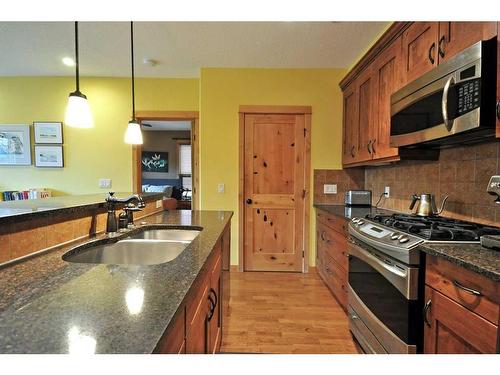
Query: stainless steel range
<point>386,277</point>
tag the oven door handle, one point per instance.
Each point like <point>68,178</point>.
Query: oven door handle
<point>373,261</point>
<point>444,103</point>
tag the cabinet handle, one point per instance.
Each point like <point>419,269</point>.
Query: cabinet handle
<point>328,270</point>
<point>440,46</point>
<point>373,146</point>
<point>427,307</point>
<point>213,303</point>
<point>498,109</point>
<point>468,290</point>
<point>431,58</point>
<point>352,151</point>
<point>368,146</point>
<point>345,254</point>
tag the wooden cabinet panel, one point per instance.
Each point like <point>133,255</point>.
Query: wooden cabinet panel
<point>452,329</point>
<point>366,105</point>
<point>350,144</point>
<point>174,338</point>
<point>214,319</point>
<point>388,76</point>
<point>420,49</point>
<point>226,274</point>
<point>333,243</point>
<point>451,280</point>
<point>196,317</point>
<point>456,36</point>
<point>338,224</point>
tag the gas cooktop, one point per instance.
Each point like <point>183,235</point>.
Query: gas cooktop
<point>434,228</point>
<point>398,235</point>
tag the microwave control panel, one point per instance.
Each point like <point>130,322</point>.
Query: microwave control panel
<point>468,95</point>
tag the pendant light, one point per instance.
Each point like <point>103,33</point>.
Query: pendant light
<point>133,134</point>
<point>78,114</point>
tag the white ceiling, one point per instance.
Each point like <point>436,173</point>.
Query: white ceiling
<point>166,125</point>
<point>181,48</point>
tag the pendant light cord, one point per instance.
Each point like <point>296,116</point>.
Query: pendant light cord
<point>133,76</point>
<point>77,60</point>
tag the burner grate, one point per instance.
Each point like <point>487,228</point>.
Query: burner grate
<point>435,228</point>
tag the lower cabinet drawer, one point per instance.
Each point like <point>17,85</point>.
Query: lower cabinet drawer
<point>333,243</point>
<point>335,278</point>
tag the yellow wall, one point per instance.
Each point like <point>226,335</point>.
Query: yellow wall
<point>89,154</point>
<point>222,91</point>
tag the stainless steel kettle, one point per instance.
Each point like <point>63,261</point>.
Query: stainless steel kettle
<point>427,205</point>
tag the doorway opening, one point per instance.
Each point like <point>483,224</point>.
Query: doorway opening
<point>168,160</point>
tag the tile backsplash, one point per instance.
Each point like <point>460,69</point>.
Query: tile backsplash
<point>347,179</point>
<point>461,172</point>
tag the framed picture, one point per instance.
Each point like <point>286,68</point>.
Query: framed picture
<point>154,161</point>
<point>48,132</point>
<point>15,144</point>
<point>49,156</point>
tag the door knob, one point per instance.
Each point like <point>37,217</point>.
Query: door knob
<point>249,201</point>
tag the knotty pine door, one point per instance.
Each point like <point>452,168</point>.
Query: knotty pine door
<point>274,191</point>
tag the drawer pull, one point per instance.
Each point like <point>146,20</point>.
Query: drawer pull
<point>345,254</point>
<point>323,238</point>
<point>468,290</point>
<point>329,270</point>
<point>427,306</point>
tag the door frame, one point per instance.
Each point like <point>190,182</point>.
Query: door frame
<point>283,110</point>
<point>192,116</point>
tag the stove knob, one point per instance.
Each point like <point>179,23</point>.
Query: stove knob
<point>355,220</point>
<point>395,236</point>
<point>403,239</point>
<point>360,222</point>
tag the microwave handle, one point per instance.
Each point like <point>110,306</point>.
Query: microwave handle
<point>444,103</point>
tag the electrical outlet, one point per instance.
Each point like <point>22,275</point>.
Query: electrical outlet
<point>158,204</point>
<point>387,191</point>
<point>221,188</point>
<point>330,189</point>
<point>104,183</point>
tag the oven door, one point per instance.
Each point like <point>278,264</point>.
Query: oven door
<point>383,302</point>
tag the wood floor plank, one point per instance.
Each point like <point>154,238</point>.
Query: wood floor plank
<point>284,313</point>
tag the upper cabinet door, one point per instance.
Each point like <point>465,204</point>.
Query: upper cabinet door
<point>366,105</point>
<point>350,148</point>
<point>456,36</point>
<point>388,79</point>
<point>420,49</point>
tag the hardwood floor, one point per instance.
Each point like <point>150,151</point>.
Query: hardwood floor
<point>284,313</point>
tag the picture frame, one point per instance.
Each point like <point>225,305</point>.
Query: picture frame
<point>48,132</point>
<point>154,161</point>
<point>49,156</point>
<point>15,144</point>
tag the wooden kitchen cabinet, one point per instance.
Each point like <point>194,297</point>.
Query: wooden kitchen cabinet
<point>331,254</point>
<point>456,36</point>
<point>197,325</point>
<point>461,312</point>
<point>420,49</point>
<point>388,78</point>
<point>350,131</point>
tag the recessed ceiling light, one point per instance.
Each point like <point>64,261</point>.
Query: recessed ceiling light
<point>68,61</point>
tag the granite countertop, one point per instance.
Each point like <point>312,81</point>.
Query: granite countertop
<point>348,212</point>
<point>473,257</point>
<point>23,209</point>
<point>48,305</point>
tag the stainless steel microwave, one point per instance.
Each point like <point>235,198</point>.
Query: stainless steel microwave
<point>453,103</point>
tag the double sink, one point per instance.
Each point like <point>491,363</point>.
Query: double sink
<point>148,247</point>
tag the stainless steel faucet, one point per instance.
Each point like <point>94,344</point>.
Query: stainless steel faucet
<point>112,201</point>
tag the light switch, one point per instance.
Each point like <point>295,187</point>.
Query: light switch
<point>387,191</point>
<point>220,188</point>
<point>104,183</point>
<point>330,189</point>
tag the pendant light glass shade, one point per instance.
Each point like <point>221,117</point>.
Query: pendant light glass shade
<point>133,134</point>
<point>78,114</point>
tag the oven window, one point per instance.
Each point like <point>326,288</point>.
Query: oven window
<point>424,113</point>
<point>384,300</point>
